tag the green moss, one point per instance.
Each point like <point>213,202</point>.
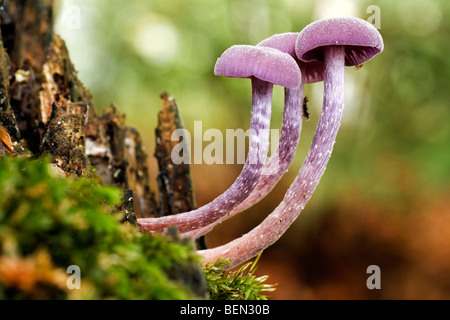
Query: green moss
<point>236,285</point>
<point>49,223</point>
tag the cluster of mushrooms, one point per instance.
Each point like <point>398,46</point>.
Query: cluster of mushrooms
<point>318,53</point>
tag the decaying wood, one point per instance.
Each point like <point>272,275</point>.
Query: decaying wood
<point>128,208</point>
<point>28,31</point>
<point>64,105</point>
<point>64,138</point>
<point>7,116</point>
<point>60,83</point>
<point>174,181</point>
<point>175,188</point>
<point>116,151</point>
<point>46,110</point>
<point>26,27</point>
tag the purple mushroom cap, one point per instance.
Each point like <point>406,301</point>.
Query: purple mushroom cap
<point>361,39</point>
<point>283,41</point>
<point>267,64</point>
<point>311,71</point>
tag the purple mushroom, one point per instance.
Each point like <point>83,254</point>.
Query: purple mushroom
<point>337,42</point>
<point>280,161</point>
<point>265,67</point>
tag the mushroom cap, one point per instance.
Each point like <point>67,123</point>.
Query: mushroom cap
<point>267,64</point>
<point>311,71</point>
<point>282,41</point>
<point>361,39</point>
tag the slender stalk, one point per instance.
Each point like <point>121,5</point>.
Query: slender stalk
<point>278,163</point>
<point>245,182</point>
<point>308,177</point>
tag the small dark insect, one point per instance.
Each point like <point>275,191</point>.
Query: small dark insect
<point>359,66</point>
<point>6,139</point>
<point>305,108</point>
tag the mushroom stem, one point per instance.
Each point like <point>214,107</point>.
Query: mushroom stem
<point>278,163</point>
<point>245,182</point>
<point>307,179</point>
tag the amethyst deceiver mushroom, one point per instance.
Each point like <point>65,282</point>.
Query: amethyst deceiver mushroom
<point>337,42</point>
<point>282,158</point>
<point>265,67</point>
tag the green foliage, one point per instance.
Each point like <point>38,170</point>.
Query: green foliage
<point>49,223</point>
<point>236,285</point>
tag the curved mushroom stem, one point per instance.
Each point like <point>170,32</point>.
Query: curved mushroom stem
<point>278,163</point>
<point>245,182</point>
<point>301,190</point>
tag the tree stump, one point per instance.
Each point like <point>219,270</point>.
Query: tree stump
<point>46,110</point>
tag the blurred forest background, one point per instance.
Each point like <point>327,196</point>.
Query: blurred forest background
<point>384,198</point>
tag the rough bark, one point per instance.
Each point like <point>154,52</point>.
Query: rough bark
<point>116,151</point>
<point>7,117</point>
<point>26,26</point>
<point>46,110</point>
<point>174,182</point>
<point>175,187</point>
